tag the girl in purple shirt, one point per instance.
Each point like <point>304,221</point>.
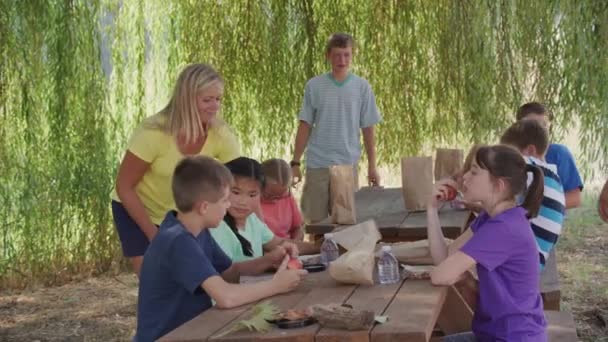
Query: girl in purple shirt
<point>500,244</point>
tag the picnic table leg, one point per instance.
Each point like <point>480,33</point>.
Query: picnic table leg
<point>468,288</point>
<point>456,315</point>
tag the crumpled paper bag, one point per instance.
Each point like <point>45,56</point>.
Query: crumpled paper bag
<point>416,182</point>
<point>342,194</point>
<point>356,266</point>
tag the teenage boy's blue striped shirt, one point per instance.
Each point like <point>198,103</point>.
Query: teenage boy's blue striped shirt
<point>547,226</point>
<point>337,111</point>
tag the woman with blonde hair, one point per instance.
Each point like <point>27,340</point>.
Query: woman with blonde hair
<point>187,126</point>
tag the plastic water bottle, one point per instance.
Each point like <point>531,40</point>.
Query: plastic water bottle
<point>388,267</point>
<point>329,250</point>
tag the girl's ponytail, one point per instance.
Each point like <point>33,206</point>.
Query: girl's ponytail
<point>507,163</point>
<point>535,192</point>
<point>245,244</point>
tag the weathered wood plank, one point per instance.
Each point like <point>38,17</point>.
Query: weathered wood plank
<point>321,289</point>
<point>452,223</point>
<point>375,298</point>
<point>373,202</point>
<point>412,313</point>
<point>385,206</point>
<point>560,326</point>
<point>205,325</point>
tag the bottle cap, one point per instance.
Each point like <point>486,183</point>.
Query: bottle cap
<point>328,235</point>
<point>386,248</point>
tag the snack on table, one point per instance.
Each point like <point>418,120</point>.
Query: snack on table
<point>294,314</point>
<point>417,272</point>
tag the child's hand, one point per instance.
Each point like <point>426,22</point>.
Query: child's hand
<point>291,248</point>
<point>287,280</point>
<point>444,190</point>
<point>276,256</point>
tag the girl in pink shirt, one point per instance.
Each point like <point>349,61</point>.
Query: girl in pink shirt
<point>279,208</point>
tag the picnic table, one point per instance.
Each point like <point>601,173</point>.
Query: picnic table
<point>413,307</point>
<point>385,206</point>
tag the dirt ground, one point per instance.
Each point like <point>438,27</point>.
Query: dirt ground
<point>104,308</point>
<point>97,309</point>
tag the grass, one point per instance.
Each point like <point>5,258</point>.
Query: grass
<point>583,266</point>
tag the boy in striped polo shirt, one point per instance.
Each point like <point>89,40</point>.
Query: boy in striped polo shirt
<point>573,185</point>
<point>337,106</point>
<point>531,138</point>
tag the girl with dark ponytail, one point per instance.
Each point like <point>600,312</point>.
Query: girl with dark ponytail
<point>249,172</point>
<point>242,235</point>
<point>500,244</point>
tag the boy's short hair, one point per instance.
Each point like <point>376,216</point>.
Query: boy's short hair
<point>339,40</point>
<point>533,108</point>
<point>199,178</point>
<point>524,133</point>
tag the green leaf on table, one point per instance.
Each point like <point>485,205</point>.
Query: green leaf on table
<point>260,313</point>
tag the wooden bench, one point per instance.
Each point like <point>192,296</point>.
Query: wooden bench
<point>560,326</point>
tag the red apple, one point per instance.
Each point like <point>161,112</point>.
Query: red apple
<point>451,193</point>
<point>294,264</point>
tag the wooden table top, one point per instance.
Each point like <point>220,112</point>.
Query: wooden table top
<point>413,307</point>
<point>385,206</point>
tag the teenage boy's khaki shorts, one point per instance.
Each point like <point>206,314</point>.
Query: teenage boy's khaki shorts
<point>315,201</point>
<point>549,277</point>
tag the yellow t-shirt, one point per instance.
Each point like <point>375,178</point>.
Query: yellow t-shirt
<point>159,149</point>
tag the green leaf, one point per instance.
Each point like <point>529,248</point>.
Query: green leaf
<point>260,313</point>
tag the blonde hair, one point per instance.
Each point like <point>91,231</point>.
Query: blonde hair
<point>181,116</point>
<point>277,170</point>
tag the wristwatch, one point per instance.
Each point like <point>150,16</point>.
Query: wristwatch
<point>294,163</point>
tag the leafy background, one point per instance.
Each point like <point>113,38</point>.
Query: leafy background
<point>77,76</point>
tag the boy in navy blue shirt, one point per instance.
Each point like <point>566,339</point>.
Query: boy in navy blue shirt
<point>183,268</point>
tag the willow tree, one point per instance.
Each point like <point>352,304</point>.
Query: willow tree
<point>78,75</point>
